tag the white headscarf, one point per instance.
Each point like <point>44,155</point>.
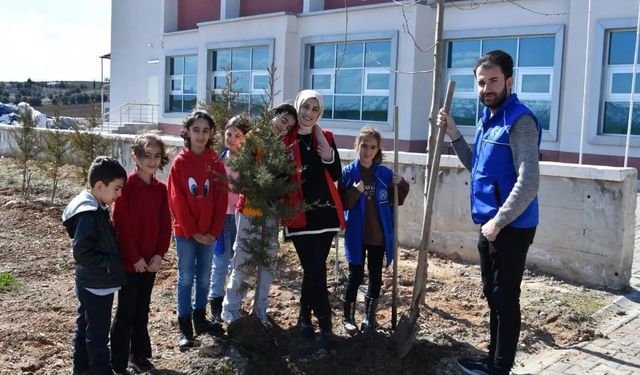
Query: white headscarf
<point>305,95</point>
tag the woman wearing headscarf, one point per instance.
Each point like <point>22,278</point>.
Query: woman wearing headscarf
<point>312,230</point>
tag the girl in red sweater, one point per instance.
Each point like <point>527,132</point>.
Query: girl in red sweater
<point>143,229</point>
<point>198,200</point>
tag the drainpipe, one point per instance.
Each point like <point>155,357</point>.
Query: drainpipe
<point>584,89</point>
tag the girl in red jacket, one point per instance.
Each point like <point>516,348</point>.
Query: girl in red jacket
<point>198,200</point>
<point>143,229</point>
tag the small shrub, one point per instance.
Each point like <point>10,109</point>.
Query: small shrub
<point>89,143</point>
<point>8,282</point>
<point>26,147</point>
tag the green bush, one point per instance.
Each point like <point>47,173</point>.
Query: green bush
<point>8,282</point>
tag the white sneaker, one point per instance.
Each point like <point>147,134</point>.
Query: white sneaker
<point>230,316</point>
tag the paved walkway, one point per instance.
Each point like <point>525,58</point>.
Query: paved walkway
<point>618,352</point>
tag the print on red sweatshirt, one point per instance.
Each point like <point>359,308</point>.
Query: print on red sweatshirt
<point>197,193</point>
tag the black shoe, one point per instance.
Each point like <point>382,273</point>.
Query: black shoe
<point>348,320</point>
<point>216,309</point>
<point>186,328</point>
<point>304,323</point>
<point>202,325</point>
<point>141,365</point>
<point>121,372</point>
<point>473,366</point>
<point>370,307</point>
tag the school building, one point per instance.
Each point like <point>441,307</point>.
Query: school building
<point>168,54</point>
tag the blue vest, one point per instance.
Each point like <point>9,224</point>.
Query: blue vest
<point>493,173</point>
<point>354,217</point>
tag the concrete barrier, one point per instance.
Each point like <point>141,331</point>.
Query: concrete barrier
<point>587,214</point>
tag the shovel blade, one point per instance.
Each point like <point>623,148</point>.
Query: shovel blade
<point>403,337</point>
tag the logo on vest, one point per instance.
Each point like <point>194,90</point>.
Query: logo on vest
<point>383,195</point>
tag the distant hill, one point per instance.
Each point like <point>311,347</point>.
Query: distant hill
<point>76,96</point>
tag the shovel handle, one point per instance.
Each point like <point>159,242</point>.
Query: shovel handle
<point>431,192</point>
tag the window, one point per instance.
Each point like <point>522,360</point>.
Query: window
<point>617,81</point>
<point>534,74</point>
<point>182,83</point>
<point>354,79</point>
<point>248,67</point>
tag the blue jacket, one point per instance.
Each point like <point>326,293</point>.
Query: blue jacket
<point>493,173</point>
<point>354,216</point>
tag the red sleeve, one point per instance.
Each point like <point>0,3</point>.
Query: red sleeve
<point>122,223</point>
<point>221,193</point>
<point>178,201</point>
<point>165,225</point>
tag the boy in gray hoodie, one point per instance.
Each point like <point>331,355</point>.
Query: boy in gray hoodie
<point>98,270</point>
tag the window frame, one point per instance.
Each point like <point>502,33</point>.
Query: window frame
<point>596,93</point>
<point>306,75</point>
<point>607,82</point>
<point>555,71</point>
<point>170,78</point>
<point>269,43</point>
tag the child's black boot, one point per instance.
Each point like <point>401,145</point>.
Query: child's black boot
<point>216,309</point>
<point>202,325</point>
<point>349,320</point>
<point>370,307</point>
<point>186,328</point>
<point>304,322</point>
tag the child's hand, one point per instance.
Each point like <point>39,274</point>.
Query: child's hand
<point>140,266</point>
<point>210,239</point>
<point>201,238</point>
<point>155,263</point>
<point>359,186</point>
<point>397,178</point>
<point>324,149</point>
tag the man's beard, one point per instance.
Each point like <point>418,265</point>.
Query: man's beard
<point>498,99</point>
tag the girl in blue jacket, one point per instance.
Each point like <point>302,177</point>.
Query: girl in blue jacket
<point>367,196</point>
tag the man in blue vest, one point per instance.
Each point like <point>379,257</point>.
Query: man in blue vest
<point>503,162</point>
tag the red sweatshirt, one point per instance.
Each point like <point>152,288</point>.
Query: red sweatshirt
<point>142,221</point>
<point>197,193</point>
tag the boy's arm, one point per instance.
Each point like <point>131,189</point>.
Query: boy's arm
<point>165,226</point>
<point>85,244</point>
<point>179,204</point>
<point>122,224</point>
<point>221,193</point>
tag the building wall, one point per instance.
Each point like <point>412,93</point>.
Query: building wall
<point>252,7</point>
<point>190,12</point>
<point>336,4</point>
<point>136,44</point>
<point>413,84</point>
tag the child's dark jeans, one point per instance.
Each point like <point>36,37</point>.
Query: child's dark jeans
<point>90,350</point>
<point>129,333</point>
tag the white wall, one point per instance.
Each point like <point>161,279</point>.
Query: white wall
<point>136,28</point>
<point>137,24</point>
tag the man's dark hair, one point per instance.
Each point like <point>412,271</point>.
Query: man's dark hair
<point>496,58</point>
<point>285,109</point>
<point>105,169</point>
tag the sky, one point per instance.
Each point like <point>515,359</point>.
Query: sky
<point>53,40</point>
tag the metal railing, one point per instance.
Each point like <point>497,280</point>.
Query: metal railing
<point>131,114</point>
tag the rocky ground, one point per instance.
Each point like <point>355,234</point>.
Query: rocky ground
<point>38,313</point>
